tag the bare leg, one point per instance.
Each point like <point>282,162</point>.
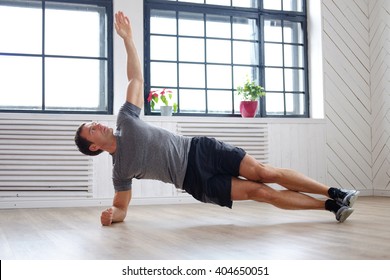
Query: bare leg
<point>285,199</point>
<point>290,179</point>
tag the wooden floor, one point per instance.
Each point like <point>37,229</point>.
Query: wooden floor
<point>198,231</point>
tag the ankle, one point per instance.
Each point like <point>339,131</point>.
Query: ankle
<point>335,193</point>
<point>332,206</point>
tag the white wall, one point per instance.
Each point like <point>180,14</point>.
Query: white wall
<point>316,83</point>
<point>356,78</point>
<point>379,22</point>
<point>349,148</point>
<point>134,10</point>
<point>347,92</point>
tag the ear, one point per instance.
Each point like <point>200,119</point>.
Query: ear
<point>94,147</point>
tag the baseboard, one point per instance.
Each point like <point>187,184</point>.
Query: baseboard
<point>381,193</point>
<point>91,202</point>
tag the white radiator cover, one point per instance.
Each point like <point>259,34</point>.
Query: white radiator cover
<point>251,136</point>
<point>38,158</point>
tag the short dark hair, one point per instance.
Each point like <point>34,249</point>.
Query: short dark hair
<point>83,144</point>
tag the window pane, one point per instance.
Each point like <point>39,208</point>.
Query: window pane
<point>245,29</point>
<point>79,36</point>
<point>274,79</point>
<point>80,90</point>
<point>21,28</point>
<point>191,24</point>
<point>273,31</point>
<point>163,74</point>
<point>219,76</point>
<point>218,51</point>
<point>293,56</point>
<point>293,5</point>
<point>218,2</point>
<point>192,101</point>
<point>191,49</point>
<point>274,103</point>
<point>219,101</point>
<point>193,1</point>
<point>293,32</point>
<point>192,75</point>
<point>218,26</point>
<point>163,22</point>
<point>163,48</point>
<point>21,82</point>
<point>294,104</point>
<point>245,3</point>
<point>241,73</point>
<point>294,80</point>
<point>272,4</point>
<point>273,54</point>
<point>245,53</point>
<point>237,101</point>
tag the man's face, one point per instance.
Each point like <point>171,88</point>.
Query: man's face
<point>96,133</point>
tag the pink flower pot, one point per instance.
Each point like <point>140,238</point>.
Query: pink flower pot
<point>248,109</point>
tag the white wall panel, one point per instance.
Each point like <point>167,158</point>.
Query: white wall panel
<point>348,100</point>
<point>380,88</point>
<point>304,149</point>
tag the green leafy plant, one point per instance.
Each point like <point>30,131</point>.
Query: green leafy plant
<point>163,96</point>
<point>250,91</point>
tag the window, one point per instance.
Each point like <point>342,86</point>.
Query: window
<point>56,56</point>
<point>203,49</point>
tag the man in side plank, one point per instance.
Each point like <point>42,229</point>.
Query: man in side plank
<point>211,171</point>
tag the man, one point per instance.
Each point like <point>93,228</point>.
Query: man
<point>211,171</point>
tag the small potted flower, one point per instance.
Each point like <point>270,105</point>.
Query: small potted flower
<point>163,98</point>
<point>250,93</point>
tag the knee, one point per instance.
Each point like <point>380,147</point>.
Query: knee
<point>269,174</point>
<point>258,172</point>
<point>263,194</point>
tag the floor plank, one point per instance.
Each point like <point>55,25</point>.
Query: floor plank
<point>198,231</point>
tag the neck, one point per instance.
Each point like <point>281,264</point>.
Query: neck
<point>111,146</point>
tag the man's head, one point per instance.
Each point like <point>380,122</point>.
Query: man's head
<point>91,138</point>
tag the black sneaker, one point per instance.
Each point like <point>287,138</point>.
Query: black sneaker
<point>348,198</point>
<point>343,213</point>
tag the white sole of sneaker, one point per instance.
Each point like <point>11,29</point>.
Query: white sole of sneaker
<point>353,198</point>
<point>346,213</point>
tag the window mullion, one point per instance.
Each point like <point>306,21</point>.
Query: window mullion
<point>232,61</point>
<point>43,55</point>
<point>205,63</point>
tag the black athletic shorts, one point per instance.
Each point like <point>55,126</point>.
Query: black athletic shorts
<point>211,166</point>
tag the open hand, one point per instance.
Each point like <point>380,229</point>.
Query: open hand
<point>123,26</point>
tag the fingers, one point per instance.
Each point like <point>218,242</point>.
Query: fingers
<point>121,18</point>
<point>122,25</point>
<point>127,21</point>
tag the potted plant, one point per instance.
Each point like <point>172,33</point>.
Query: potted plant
<point>164,98</point>
<point>250,93</point>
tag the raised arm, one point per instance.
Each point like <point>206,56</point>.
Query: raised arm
<point>135,88</point>
<point>118,211</point>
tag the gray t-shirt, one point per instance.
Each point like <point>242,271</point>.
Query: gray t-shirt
<point>144,151</point>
